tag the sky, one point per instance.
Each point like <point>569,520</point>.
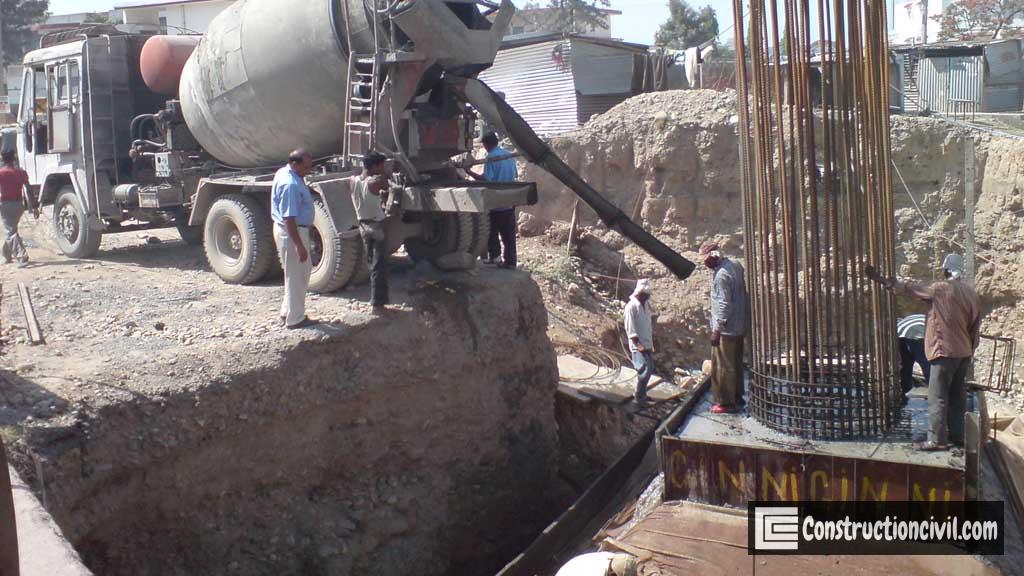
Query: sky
<point>638,23</point>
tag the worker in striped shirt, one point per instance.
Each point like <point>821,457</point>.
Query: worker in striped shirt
<point>910,331</point>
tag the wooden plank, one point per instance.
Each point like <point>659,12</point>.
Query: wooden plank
<point>572,393</point>
<point>608,396</point>
<point>31,323</point>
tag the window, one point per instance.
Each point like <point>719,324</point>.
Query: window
<point>25,108</point>
<point>40,91</point>
<point>75,80</point>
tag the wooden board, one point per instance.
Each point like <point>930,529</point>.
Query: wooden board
<point>35,335</point>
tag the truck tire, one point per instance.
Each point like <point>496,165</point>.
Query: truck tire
<point>191,235</point>
<point>334,259</point>
<point>71,226</point>
<point>481,234</point>
<point>443,233</point>
<point>237,239</point>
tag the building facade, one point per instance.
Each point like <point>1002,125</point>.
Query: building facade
<point>172,16</point>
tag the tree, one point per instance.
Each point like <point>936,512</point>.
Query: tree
<point>687,27</point>
<point>979,19</point>
<point>571,16</point>
<point>98,18</point>
<point>17,18</point>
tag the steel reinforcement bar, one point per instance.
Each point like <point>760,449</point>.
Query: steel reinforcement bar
<point>812,82</point>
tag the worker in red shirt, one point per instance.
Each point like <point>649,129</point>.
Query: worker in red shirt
<point>14,195</point>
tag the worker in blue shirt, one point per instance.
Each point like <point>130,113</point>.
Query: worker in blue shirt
<point>291,208</point>
<point>503,220</point>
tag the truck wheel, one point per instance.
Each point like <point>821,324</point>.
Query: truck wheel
<point>191,235</point>
<point>237,239</point>
<point>334,259</point>
<point>442,234</point>
<point>71,226</point>
<point>481,233</point>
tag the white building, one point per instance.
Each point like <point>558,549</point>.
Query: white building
<point>173,16</point>
<point>906,24</point>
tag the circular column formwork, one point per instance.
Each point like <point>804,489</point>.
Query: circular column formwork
<point>812,83</point>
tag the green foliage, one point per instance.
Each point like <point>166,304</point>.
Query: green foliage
<point>17,18</point>
<point>687,27</point>
<point>98,18</point>
<point>569,16</point>
<point>980,19</point>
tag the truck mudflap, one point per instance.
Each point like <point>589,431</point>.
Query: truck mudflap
<point>470,197</point>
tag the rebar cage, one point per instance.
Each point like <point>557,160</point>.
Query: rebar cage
<point>812,83</point>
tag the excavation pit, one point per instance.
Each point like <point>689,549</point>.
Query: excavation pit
<point>419,442</point>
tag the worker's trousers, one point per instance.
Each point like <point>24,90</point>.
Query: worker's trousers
<point>912,352</point>
<point>727,371</point>
<point>643,363</point>
<point>10,213</point>
<point>296,273</point>
<point>375,244</point>
<point>502,240</point>
<point>947,400</point>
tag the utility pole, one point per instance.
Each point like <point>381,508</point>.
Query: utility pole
<point>924,21</point>
<point>969,195</point>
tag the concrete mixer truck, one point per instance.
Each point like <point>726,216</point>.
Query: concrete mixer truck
<point>123,132</point>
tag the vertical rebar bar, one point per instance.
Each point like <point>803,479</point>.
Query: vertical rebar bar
<point>824,347</point>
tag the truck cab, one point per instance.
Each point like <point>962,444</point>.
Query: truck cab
<point>78,99</point>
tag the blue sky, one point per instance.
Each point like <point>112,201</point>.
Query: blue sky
<point>639,21</point>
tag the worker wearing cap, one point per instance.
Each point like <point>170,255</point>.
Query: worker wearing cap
<point>600,564</point>
<point>291,208</point>
<point>951,336</point>
<point>638,322</point>
<point>727,302</point>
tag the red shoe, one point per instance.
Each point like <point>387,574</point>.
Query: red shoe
<point>719,409</point>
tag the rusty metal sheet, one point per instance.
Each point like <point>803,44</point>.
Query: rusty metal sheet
<point>718,473</point>
<point>735,473</point>
<point>686,470</point>
<point>880,481</point>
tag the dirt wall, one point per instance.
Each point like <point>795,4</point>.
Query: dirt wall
<point>422,442</point>
<point>671,160</point>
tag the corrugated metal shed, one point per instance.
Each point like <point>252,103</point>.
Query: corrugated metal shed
<point>538,82</point>
<point>590,106</point>
<point>951,85</point>
<point>557,84</point>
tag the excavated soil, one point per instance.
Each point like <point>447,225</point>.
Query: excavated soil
<point>172,428</point>
<point>671,160</point>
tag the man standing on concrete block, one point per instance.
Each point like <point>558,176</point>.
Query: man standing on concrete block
<point>728,306</point>
<point>291,207</point>
<point>499,168</point>
<point>369,192</point>
<point>951,336</point>
<point>638,322</point>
